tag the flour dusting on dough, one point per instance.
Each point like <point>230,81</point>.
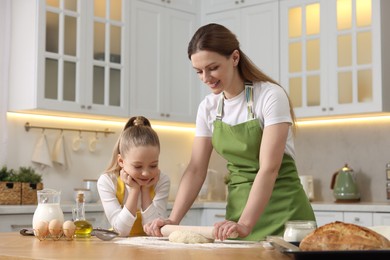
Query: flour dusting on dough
<point>188,237</point>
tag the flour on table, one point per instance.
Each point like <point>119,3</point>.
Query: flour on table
<point>163,242</point>
<point>188,237</point>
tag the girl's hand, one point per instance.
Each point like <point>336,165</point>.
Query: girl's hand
<point>222,230</point>
<point>128,180</point>
<point>154,228</point>
<point>153,181</point>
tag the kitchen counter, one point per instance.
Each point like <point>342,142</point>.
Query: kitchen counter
<point>15,246</point>
<point>357,206</point>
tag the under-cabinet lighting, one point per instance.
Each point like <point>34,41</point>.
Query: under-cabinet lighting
<point>165,126</point>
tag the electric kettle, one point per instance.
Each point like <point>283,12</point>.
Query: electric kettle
<point>344,185</point>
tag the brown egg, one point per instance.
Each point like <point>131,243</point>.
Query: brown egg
<point>68,228</point>
<point>41,230</point>
<point>55,228</point>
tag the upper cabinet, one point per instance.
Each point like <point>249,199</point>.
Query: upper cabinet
<point>212,6</point>
<point>256,27</point>
<point>334,56</point>
<point>70,56</point>
<point>164,86</point>
<point>190,6</point>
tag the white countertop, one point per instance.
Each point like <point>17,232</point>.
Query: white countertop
<point>317,206</point>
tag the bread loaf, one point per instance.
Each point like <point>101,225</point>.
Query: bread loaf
<point>343,236</point>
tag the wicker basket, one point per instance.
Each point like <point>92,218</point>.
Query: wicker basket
<point>29,193</point>
<point>10,193</point>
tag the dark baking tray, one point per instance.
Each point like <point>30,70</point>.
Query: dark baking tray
<point>353,254</point>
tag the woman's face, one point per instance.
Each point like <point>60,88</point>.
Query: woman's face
<point>217,71</point>
<point>141,163</point>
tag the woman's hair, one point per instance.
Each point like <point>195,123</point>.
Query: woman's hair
<point>217,38</point>
<point>137,132</point>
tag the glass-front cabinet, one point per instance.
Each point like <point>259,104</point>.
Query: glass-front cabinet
<point>80,50</point>
<point>331,60</point>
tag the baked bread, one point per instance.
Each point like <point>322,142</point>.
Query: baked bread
<point>343,236</point>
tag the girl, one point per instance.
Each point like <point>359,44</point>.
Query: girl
<point>133,191</point>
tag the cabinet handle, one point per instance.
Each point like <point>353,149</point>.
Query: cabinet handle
<point>220,215</point>
<point>236,2</point>
<point>242,1</point>
<point>162,114</point>
<point>89,107</point>
<point>82,107</point>
<point>15,226</point>
<point>331,109</point>
<point>167,115</point>
<point>357,219</point>
<point>323,109</point>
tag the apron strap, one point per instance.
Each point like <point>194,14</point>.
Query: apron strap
<point>249,102</point>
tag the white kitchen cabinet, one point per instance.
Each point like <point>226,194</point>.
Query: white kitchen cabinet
<point>381,219</point>
<point>192,218</point>
<point>69,56</point>
<point>333,59</point>
<point>212,6</point>
<point>164,86</point>
<point>257,29</point>
<point>325,217</point>
<point>211,216</point>
<point>190,6</point>
<point>15,222</point>
<point>359,218</point>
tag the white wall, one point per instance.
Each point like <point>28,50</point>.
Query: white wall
<point>321,150</point>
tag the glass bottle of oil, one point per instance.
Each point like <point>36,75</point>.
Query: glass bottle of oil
<point>83,227</point>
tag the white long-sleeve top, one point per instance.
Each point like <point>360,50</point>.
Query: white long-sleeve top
<point>120,217</point>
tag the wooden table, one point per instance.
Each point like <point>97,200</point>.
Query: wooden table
<point>15,246</point>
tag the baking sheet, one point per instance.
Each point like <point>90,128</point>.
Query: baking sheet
<point>355,254</point>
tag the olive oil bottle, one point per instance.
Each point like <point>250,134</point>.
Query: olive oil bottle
<point>83,227</point>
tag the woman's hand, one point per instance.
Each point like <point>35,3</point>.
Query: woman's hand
<point>128,180</point>
<point>222,230</point>
<point>154,228</point>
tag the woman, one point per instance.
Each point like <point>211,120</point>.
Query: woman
<point>133,191</point>
<point>248,120</point>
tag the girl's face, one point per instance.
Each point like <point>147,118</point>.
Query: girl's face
<point>217,71</point>
<point>141,163</point>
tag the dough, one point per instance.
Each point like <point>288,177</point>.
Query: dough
<point>188,237</point>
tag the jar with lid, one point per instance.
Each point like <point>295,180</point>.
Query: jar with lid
<point>296,230</point>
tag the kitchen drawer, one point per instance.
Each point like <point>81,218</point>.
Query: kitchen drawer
<point>11,223</point>
<point>192,218</point>
<point>210,216</point>
<point>381,219</point>
<point>325,217</point>
<point>358,218</point>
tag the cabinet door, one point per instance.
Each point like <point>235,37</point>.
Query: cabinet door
<point>97,219</point>
<point>325,217</point>
<point>257,29</point>
<point>359,218</point>
<point>303,55</point>
<point>192,218</point>
<point>211,6</point>
<point>164,84</point>
<point>14,223</point>
<point>211,216</point>
<point>191,6</point>
<point>106,58</point>
<point>381,219</point>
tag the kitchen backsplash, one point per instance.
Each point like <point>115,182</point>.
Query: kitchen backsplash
<point>321,150</point>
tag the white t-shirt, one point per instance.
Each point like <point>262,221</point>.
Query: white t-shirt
<point>270,106</point>
<point>120,218</point>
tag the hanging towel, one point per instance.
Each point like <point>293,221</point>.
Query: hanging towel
<point>41,155</point>
<point>58,155</point>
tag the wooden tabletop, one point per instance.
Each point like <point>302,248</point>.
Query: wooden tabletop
<point>15,246</point>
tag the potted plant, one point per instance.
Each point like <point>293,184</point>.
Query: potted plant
<point>10,187</point>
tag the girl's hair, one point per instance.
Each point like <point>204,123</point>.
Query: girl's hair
<point>137,132</point>
<point>217,38</point>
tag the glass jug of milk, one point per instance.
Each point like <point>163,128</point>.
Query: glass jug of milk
<point>48,207</point>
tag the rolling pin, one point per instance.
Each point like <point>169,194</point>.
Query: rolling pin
<point>206,231</point>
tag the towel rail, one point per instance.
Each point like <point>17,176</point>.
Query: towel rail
<point>28,126</point>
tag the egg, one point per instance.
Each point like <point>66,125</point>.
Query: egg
<point>55,228</point>
<point>41,230</point>
<point>68,228</point>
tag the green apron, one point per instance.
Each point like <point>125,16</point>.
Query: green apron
<point>240,146</point>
